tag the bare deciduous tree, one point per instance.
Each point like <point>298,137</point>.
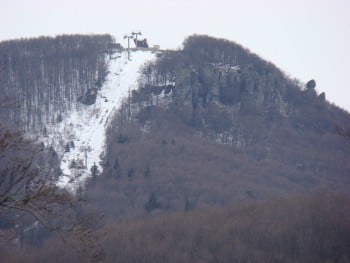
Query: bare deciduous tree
<point>28,188</point>
<point>24,185</point>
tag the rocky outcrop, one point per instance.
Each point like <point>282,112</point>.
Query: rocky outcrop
<point>89,97</point>
<point>311,84</point>
<point>322,96</point>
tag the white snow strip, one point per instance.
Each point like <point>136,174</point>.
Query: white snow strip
<point>86,127</point>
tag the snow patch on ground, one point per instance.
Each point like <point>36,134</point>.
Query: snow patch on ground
<point>79,139</point>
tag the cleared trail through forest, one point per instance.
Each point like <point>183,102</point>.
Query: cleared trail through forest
<point>79,139</point>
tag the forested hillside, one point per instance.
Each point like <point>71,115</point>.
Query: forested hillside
<point>310,228</point>
<point>212,124</point>
<point>217,156</point>
<point>43,77</point>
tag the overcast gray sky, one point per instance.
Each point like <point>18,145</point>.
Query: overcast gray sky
<point>305,38</point>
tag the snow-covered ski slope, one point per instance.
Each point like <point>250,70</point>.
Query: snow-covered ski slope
<point>80,137</point>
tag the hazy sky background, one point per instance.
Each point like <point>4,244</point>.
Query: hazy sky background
<point>305,38</point>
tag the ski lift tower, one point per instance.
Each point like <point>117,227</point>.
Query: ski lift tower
<point>131,36</point>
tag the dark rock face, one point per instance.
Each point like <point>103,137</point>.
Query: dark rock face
<point>89,97</point>
<point>311,84</point>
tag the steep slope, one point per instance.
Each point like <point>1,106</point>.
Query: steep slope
<point>79,137</point>
<point>215,124</point>
<point>209,125</point>
<point>43,77</point>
